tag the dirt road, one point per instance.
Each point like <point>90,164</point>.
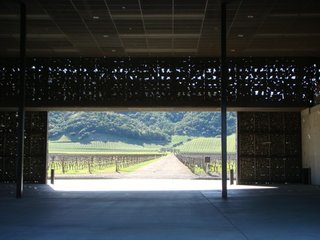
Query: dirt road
<point>167,167</point>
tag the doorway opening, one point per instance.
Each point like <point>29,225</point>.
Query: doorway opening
<point>139,145</point>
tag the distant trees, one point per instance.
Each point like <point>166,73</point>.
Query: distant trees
<point>157,127</point>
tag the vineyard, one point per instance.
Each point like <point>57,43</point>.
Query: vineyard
<point>98,163</point>
<point>183,144</point>
<point>207,145</point>
<point>212,167</point>
<point>99,147</point>
<point>99,157</point>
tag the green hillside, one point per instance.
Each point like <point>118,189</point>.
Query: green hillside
<point>137,132</point>
<point>208,145</point>
<point>135,127</point>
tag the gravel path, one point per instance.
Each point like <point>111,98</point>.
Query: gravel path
<point>166,167</point>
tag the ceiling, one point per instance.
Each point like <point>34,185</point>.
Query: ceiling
<point>164,28</point>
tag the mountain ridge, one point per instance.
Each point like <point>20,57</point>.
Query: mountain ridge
<point>137,127</point>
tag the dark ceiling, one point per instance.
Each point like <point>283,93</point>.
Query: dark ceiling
<point>163,28</point>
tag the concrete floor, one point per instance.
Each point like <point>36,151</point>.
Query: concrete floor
<point>279,212</point>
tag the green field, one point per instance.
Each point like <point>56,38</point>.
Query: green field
<point>208,145</point>
<point>64,145</point>
<point>177,139</point>
<point>184,144</point>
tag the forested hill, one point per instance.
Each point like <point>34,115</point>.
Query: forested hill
<point>152,127</point>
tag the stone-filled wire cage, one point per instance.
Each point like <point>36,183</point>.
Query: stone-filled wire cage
<point>269,147</point>
<point>35,158</point>
<point>162,82</point>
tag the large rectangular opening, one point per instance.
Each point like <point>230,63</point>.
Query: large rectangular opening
<point>139,145</point>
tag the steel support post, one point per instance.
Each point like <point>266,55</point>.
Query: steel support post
<point>21,110</point>
<point>224,73</point>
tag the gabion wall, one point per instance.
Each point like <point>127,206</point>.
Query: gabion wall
<point>269,147</point>
<point>152,82</point>
<point>35,147</point>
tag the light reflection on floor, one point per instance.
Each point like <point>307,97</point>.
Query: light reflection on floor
<point>144,185</point>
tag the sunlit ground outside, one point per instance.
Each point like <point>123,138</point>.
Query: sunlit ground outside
<point>95,185</point>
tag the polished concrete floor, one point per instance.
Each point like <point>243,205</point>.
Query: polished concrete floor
<point>80,210</point>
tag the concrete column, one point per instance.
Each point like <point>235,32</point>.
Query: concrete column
<point>224,78</point>
<point>21,111</point>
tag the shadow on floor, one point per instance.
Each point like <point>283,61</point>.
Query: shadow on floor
<point>279,212</point>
